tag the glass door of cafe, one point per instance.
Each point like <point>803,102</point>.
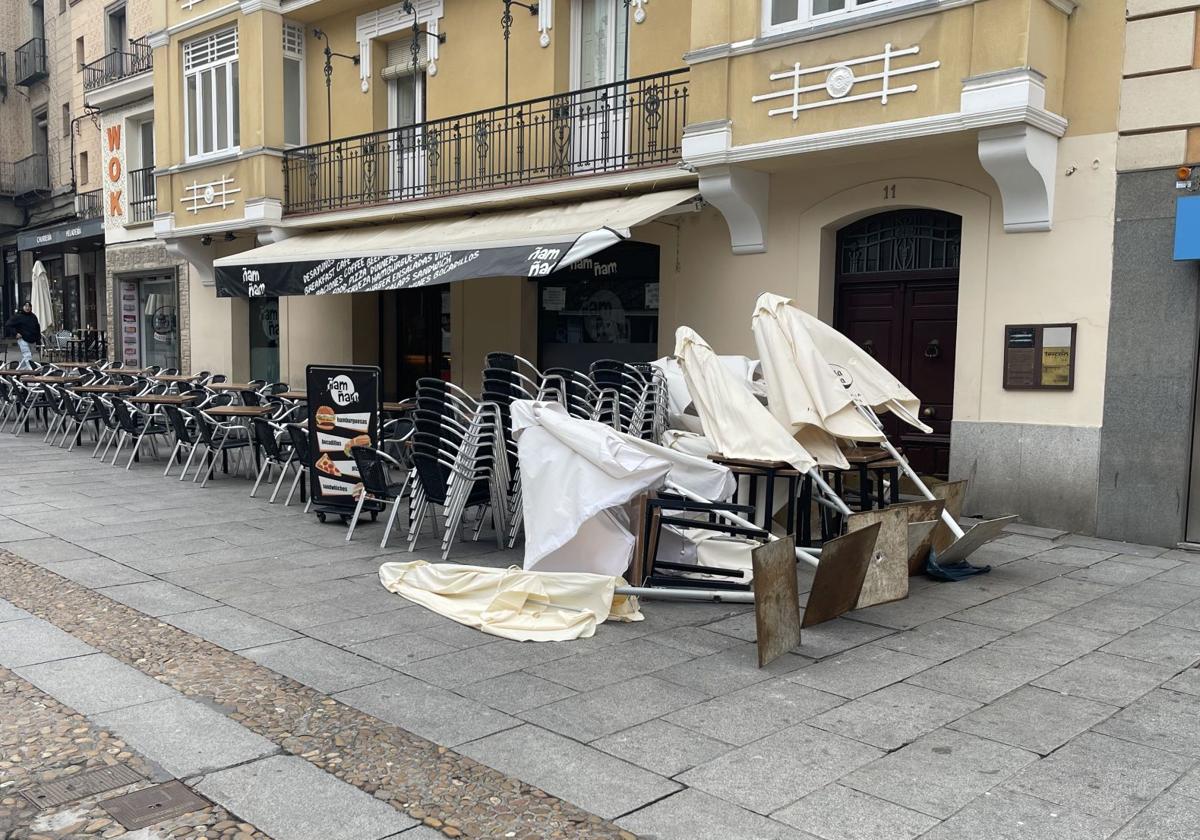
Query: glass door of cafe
<point>264,339</point>
<point>414,334</point>
<point>158,314</point>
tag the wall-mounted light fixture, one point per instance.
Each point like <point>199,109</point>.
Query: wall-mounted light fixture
<point>329,55</point>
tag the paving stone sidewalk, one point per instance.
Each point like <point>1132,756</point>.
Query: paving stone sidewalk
<point>1055,697</point>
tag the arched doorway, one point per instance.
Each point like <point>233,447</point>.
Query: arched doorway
<point>896,295</point>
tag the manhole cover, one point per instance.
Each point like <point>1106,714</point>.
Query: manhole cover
<point>87,783</point>
<point>152,805</point>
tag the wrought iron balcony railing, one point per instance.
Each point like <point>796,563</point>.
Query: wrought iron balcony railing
<point>118,65</point>
<point>31,175</point>
<point>90,205</point>
<point>141,195</point>
<point>633,124</point>
<point>30,64</point>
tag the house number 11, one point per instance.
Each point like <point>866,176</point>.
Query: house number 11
<point>889,191</point>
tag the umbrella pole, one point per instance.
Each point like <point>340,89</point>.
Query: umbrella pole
<point>869,413</point>
<point>687,594</point>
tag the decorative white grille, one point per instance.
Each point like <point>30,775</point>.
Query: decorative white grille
<point>210,49</point>
<point>293,40</point>
<point>840,81</point>
<point>214,194</point>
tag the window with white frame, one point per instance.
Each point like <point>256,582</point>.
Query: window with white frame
<point>293,84</point>
<point>789,14</point>
<point>406,83</point>
<point>210,85</point>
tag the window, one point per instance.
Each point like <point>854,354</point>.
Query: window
<point>788,14</point>
<point>293,84</point>
<point>116,33</point>
<point>83,167</point>
<point>210,93</point>
<point>145,133</point>
<point>37,19</point>
<point>406,84</point>
<point>601,42</point>
<point>66,119</point>
<point>79,62</point>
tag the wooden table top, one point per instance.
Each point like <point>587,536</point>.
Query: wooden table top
<point>864,455</point>
<point>105,389</point>
<point>174,377</point>
<point>165,399</point>
<point>239,411</point>
<point>54,380</point>
<point>232,386</point>
<point>387,406</point>
<point>77,365</point>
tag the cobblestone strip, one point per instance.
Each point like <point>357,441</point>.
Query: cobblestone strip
<point>431,783</point>
<point>43,741</point>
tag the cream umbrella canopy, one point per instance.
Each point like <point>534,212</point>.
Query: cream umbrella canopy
<point>39,296</point>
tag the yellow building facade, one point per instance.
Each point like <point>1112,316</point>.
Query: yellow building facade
<point>935,177</point>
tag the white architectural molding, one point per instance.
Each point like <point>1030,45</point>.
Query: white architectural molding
<point>199,257</point>
<point>1022,160</point>
<point>264,211</point>
<point>741,195</point>
<point>545,22</point>
<point>639,10</point>
<point>216,194</point>
<point>392,19</point>
<point>271,235</point>
<point>249,7</point>
<point>1067,7</point>
<point>159,39</point>
<point>841,79</point>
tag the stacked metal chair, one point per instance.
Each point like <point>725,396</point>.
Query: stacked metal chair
<point>458,460</point>
<point>632,398</point>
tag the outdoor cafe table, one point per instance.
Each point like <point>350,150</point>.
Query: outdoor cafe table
<point>53,380</point>
<point>105,389</point>
<point>174,377</point>
<point>232,386</point>
<point>164,399</point>
<point>243,411</point>
<point>388,407</point>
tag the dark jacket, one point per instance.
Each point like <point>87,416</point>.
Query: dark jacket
<point>25,325</point>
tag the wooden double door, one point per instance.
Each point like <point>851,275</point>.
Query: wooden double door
<point>901,305</point>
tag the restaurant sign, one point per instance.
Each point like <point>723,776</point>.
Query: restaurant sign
<point>343,412</point>
<point>387,272</point>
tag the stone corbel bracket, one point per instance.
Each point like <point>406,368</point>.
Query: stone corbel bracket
<point>1021,157</point>
<point>740,193</point>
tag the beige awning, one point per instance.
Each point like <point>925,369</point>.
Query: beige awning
<point>529,242</point>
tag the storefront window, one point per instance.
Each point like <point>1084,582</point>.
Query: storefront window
<point>604,307</point>
<point>264,339</point>
<point>148,321</point>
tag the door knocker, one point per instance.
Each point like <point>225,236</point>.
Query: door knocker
<point>933,349</point>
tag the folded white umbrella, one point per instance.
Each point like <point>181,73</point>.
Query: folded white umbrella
<point>39,296</point>
<point>514,604</point>
<point>736,423</point>
<point>863,378</point>
<point>577,476</point>
<point>681,414</point>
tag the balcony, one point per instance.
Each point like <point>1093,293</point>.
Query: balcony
<point>30,66</point>
<point>630,125</point>
<point>90,205</point>
<point>141,195</point>
<point>31,177</point>
<point>120,77</point>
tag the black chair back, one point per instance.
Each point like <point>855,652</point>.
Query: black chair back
<point>264,436</point>
<point>298,435</point>
<point>179,423</point>
<point>124,416</point>
<point>372,470</point>
<point>250,397</point>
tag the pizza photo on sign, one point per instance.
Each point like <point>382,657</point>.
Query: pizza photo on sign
<point>326,418</point>
<point>326,465</point>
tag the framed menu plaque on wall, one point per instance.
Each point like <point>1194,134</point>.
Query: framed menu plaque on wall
<point>1039,357</point>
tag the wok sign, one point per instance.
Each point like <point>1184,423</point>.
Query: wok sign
<point>343,412</point>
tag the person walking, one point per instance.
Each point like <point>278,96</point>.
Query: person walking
<point>28,331</point>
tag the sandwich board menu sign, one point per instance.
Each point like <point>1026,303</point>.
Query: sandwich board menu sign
<point>343,412</point>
